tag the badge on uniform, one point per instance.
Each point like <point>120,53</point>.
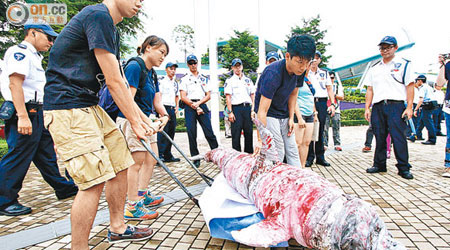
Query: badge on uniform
<point>19,56</point>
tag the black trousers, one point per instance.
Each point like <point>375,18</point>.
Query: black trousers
<point>316,149</point>
<point>205,122</point>
<point>243,122</point>
<point>387,118</point>
<point>164,145</point>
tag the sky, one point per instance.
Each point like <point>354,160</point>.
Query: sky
<point>354,27</point>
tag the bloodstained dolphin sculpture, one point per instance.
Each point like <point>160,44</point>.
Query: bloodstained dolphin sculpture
<point>298,203</point>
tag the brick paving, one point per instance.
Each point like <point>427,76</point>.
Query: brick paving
<point>417,212</point>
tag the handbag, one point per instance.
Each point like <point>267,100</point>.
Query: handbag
<point>7,110</point>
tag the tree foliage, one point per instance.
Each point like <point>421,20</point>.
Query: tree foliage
<point>244,46</point>
<point>184,37</point>
<point>312,27</point>
<point>10,35</point>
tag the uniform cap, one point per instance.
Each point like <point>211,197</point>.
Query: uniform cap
<point>388,40</point>
<point>272,54</point>
<point>170,64</point>
<point>236,61</point>
<point>191,58</point>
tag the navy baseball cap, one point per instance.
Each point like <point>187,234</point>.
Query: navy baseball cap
<point>191,58</point>
<point>319,54</point>
<point>42,26</point>
<point>272,54</point>
<point>170,64</point>
<point>422,77</point>
<point>388,40</point>
<point>235,61</point>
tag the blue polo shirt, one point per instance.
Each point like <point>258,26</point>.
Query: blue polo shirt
<point>276,84</point>
<point>144,96</point>
<point>73,69</point>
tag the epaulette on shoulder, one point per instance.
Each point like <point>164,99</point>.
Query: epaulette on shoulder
<point>184,75</point>
<point>161,77</point>
<point>406,59</point>
<point>375,63</point>
<point>22,46</point>
<point>202,75</point>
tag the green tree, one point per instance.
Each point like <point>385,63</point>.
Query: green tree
<point>10,35</point>
<point>312,27</point>
<point>244,46</point>
<point>184,37</point>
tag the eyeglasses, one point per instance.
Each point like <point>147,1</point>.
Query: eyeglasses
<point>386,48</point>
<point>192,63</point>
<point>49,37</point>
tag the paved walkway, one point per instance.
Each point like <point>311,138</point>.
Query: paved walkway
<point>417,212</point>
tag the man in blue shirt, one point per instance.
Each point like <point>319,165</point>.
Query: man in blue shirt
<point>276,96</point>
<point>84,57</point>
<point>426,105</point>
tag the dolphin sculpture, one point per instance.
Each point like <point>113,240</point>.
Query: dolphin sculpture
<point>298,203</point>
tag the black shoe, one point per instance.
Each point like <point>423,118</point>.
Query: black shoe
<point>406,175</point>
<point>411,138</point>
<point>308,164</point>
<point>173,159</point>
<point>440,134</point>
<point>66,195</point>
<point>197,163</point>
<point>323,163</point>
<point>420,139</point>
<point>428,143</point>
<point>373,170</point>
<point>15,210</point>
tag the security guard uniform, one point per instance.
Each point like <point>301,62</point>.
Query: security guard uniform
<point>319,80</point>
<point>169,91</point>
<point>196,88</point>
<point>241,90</point>
<point>426,116</point>
<point>389,82</point>
<point>38,147</point>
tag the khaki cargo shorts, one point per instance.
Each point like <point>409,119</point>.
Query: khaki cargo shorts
<point>133,142</point>
<point>88,142</point>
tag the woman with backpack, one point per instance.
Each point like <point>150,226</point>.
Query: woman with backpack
<point>144,87</point>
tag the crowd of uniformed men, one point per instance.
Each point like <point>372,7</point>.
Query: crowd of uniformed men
<point>293,98</point>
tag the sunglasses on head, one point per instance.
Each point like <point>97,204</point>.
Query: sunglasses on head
<point>192,62</point>
<point>49,37</point>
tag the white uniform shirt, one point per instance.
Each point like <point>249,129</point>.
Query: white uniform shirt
<point>439,96</point>
<point>240,89</point>
<point>320,80</point>
<point>387,80</point>
<point>25,60</point>
<point>195,87</point>
<point>426,92</point>
<point>169,90</point>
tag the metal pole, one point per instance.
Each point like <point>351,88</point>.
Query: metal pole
<point>261,38</point>
<point>204,177</point>
<point>169,172</point>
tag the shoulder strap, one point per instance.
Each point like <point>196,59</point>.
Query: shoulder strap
<point>375,63</point>
<point>404,70</point>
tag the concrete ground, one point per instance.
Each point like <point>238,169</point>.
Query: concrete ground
<point>417,212</point>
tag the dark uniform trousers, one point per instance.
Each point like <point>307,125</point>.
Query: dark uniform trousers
<point>387,118</point>
<point>243,121</point>
<point>426,120</point>
<point>191,118</point>
<point>164,145</point>
<point>22,150</point>
<point>316,149</point>
<point>438,116</point>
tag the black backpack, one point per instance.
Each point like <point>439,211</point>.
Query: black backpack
<point>105,99</point>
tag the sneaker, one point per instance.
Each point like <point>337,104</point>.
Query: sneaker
<point>338,148</point>
<point>150,200</point>
<point>388,154</point>
<point>366,149</point>
<point>131,234</point>
<point>446,173</point>
<point>139,212</point>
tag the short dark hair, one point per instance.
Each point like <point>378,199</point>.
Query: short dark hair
<point>302,46</point>
<point>332,73</point>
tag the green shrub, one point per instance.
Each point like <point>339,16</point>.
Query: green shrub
<point>354,122</point>
<point>352,114</point>
<point>3,148</point>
